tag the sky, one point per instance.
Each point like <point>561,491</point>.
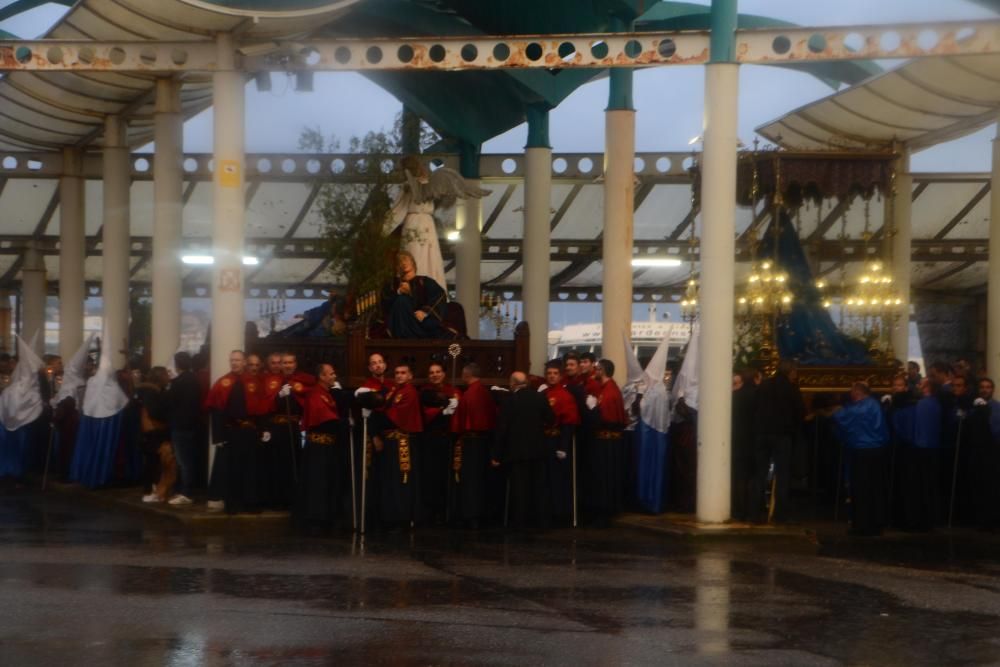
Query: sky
<point>668,100</point>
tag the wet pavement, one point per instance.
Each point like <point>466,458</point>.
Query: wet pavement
<point>90,584</point>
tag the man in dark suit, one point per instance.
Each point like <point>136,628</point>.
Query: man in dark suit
<point>520,445</point>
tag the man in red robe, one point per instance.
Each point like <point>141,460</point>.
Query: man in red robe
<point>438,401</point>
<point>602,458</point>
<point>324,473</point>
<point>235,476</point>
<point>473,424</point>
<point>281,451</point>
<point>559,437</point>
<point>588,369</point>
<point>398,459</point>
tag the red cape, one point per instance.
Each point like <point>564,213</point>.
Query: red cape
<point>563,406</point>
<point>477,411</point>
<point>610,404</point>
<point>403,408</point>
<point>318,407</point>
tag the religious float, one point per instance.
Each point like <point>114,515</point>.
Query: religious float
<point>785,307</point>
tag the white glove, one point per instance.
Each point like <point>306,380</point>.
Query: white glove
<point>887,399</point>
<point>54,403</point>
<point>362,390</point>
<point>560,454</point>
<point>500,389</point>
<point>451,407</point>
<point>366,413</point>
<point>285,391</point>
<point>542,388</point>
<point>960,414</point>
<point>591,402</point>
<point>336,385</point>
<point>265,436</point>
<point>979,402</point>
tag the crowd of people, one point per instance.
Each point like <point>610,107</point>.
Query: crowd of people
<point>543,450</point>
<point>924,455</point>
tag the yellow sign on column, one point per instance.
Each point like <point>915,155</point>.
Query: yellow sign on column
<point>229,173</point>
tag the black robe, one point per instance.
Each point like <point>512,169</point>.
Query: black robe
<point>399,309</point>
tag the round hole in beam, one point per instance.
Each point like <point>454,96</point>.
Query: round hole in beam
<point>190,165</point>
<point>374,55</point>
<point>179,56</point>
<point>387,166</point>
<point>405,53</point>
<point>533,51</point>
<point>9,162</point>
<point>559,165</point>
<point>816,43</point>
<point>437,53</point>
<point>928,39</point>
<point>509,166</point>
<point>264,165</point>
<point>312,165</point>
<point>599,50</point>
<point>501,52</point>
<point>23,54</point>
<point>342,55</point>
<point>854,42</point>
<point>148,55</point>
<point>781,45</point>
<point>667,48</point>
<point>337,166</point>
<point>310,56</point>
<point>54,55</point>
<point>585,165</point>
<point>633,48</point>
<point>85,55</point>
<point>964,34</point>
<point>890,41</point>
<point>116,55</point>
<point>567,50</point>
<point>663,165</point>
<point>141,165</point>
<point>469,53</point>
<point>638,164</point>
<point>288,165</point>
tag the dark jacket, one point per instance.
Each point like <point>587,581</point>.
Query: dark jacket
<point>520,432</point>
<point>184,402</point>
<point>778,407</point>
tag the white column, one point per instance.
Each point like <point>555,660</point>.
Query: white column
<point>33,296</point>
<point>715,359</point>
<point>167,223</point>
<point>902,205</point>
<point>72,253</point>
<point>619,200</point>
<point>227,229</point>
<point>535,252</point>
<point>993,284</point>
<point>115,240</point>
<point>468,256</point>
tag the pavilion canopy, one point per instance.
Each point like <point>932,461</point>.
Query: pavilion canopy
<point>923,102</point>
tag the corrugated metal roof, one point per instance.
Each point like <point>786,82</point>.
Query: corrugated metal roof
<point>921,103</point>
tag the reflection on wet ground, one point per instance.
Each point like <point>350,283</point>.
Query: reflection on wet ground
<point>84,584</point>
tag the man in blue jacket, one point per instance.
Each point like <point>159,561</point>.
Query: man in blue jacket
<point>862,427</point>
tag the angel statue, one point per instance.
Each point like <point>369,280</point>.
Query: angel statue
<point>422,193</point>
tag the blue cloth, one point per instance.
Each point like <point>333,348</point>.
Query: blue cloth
<point>861,425</point>
<point>927,423</point>
<point>651,448</point>
<point>808,334</point>
<point>96,446</point>
<point>14,447</point>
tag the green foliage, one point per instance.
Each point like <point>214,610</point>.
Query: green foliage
<point>356,215</point>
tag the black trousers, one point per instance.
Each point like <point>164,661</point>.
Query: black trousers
<point>921,487</point>
<point>528,494</point>
<point>868,491</point>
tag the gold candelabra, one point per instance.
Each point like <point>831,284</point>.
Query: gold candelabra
<point>496,310</point>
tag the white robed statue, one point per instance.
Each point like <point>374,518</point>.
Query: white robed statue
<point>423,193</point>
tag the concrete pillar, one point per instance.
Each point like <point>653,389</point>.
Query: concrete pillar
<point>115,239</point>
<point>227,229</point>
<point>469,247</point>
<point>72,253</point>
<point>993,280</point>
<point>167,223</point>
<point>619,202</point>
<point>537,236</point>
<point>718,265</point>
<point>34,293</point>
<point>901,253</point>
<point>6,341</point>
